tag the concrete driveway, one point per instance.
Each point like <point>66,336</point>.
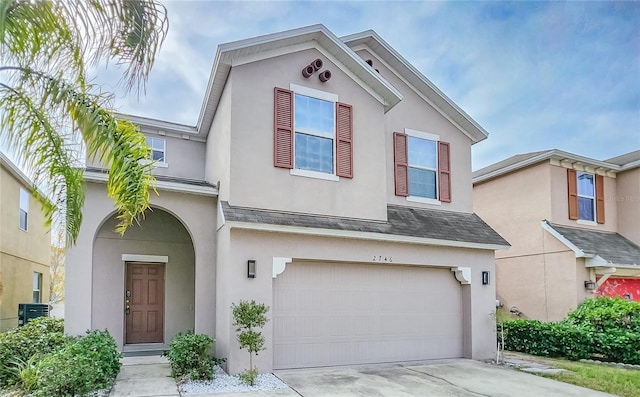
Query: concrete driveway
<point>459,378</point>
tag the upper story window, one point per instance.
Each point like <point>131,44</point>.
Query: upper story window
<point>158,149</point>
<point>422,167</point>
<point>586,196</point>
<point>24,208</point>
<point>313,133</point>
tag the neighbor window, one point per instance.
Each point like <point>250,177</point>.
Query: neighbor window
<point>423,167</point>
<point>37,287</point>
<point>586,196</point>
<point>24,208</point>
<point>314,134</point>
<point>157,149</point>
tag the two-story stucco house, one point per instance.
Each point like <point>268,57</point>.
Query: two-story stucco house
<point>327,178</point>
<point>574,226</point>
<point>25,245</point>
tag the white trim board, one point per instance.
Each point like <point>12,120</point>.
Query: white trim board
<point>145,258</point>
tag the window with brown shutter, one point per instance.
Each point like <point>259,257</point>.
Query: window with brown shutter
<point>344,140</point>
<point>599,198</point>
<point>283,128</point>
<point>401,163</point>
<point>444,172</point>
<point>572,188</point>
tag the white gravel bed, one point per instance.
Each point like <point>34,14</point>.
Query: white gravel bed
<point>223,383</point>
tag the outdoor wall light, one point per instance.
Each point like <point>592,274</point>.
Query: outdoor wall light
<point>485,278</point>
<point>251,268</point>
<point>590,285</point>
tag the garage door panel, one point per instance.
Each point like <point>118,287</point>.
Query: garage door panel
<point>329,314</point>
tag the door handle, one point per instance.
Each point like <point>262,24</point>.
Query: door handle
<point>127,310</point>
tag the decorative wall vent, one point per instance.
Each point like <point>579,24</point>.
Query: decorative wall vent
<point>311,68</point>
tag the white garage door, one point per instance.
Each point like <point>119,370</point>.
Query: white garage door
<point>336,314</point>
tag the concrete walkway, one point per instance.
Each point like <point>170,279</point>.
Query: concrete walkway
<point>145,376</point>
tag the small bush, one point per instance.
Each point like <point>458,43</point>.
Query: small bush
<point>189,356</point>
<point>17,346</point>
<point>547,339</point>
<point>604,314</point>
<point>87,364</point>
<point>247,316</point>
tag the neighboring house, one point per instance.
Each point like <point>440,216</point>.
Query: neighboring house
<point>335,192</point>
<point>574,227</point>
<point>25,245</point>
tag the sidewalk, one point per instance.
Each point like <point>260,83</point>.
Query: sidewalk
<point>145,376</point>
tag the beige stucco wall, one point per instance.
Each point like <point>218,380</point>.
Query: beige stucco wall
<point>233,284</point>
<point>160,234</point>
<point>198,215</point>
<point>627,198</point>
<point>218,147</point>
<point>185,158</point>
<point>255,182</point>
<point>21,252</point>
<point>415,113</point>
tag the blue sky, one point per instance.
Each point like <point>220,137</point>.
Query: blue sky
<point>535,75</point>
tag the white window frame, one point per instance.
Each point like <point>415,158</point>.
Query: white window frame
<point>161,164</point>
<point>24,206</point>
<point>37,286</point>
<point>325,96</point>
<point>429,137</point>
<point>592,198</point>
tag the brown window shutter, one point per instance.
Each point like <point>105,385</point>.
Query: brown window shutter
<point>401,163</point>
<point>444,172</point>
<point>344,140</point>
<point>572,186</point>
<point>283,128</point>
<point>600,198</point>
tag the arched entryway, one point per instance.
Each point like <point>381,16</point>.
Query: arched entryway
<point>143,288</point>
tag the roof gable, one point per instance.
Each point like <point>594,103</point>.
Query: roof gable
<point>556,156</point>
<point>423,86</point>
<point>262,47</point>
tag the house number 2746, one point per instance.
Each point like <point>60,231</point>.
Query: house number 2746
<point>380,258</point>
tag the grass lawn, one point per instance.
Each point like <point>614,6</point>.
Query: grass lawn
<point>612,380</point>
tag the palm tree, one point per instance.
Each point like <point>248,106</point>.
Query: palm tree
<point>48,106</point>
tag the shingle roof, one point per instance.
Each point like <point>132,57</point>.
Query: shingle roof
<point>507,162</point>
<point>164,178</point>
<point>610,246</point>
<point>625,158</point>
<point>402,221</point>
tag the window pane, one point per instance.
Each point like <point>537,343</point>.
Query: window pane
<point>157,156</point>
<point>23,220</point>
<point>422,153</point>
<point>314,153</point>
<point>586,185</point>
<point>36,297</point>
<point>24,200</point>
<point>585,208</point>
<point>314,116</point>
<point>37,277</point>
<point>422,183</point>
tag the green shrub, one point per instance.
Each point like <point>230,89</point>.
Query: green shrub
<point>189,356</point>
<point>605,314</point>
<point>604,328</point>
<point>17,346</point>
<point>247,316</point>
<point>87,364</point>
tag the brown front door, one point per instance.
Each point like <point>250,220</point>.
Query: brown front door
<point>144,303</point>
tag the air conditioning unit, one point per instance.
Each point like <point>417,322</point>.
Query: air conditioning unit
<point>29,311</point>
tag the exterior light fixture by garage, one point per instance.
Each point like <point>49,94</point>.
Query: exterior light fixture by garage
<point>485,278</point>
<point>251,268</point>
<point>311,68</point>
<point>590,285</point>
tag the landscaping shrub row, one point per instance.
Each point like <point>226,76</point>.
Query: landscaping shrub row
<point>604,328</point>
<point>39,359</point>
